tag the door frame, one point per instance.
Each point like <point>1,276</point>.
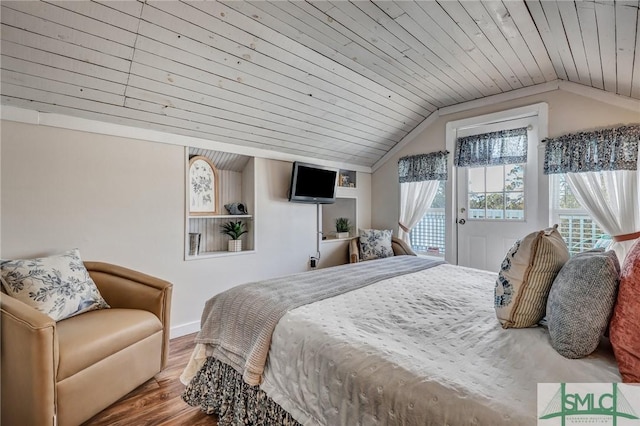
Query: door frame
<point>541,110</point>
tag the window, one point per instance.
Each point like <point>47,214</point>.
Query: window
<point>496,192</point>
<point>580,232</point>
<point>427,237</point>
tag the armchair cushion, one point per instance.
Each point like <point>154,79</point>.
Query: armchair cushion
<point>85,340</point>
<point>59,286</point>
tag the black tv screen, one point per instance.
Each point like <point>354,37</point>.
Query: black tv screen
<point>313,184</point>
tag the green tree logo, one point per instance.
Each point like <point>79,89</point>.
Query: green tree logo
<point>564,404</point>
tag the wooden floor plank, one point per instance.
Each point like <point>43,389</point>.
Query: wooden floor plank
<point>157,402</point>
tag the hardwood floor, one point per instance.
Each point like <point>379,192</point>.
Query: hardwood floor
<point>158,402</point>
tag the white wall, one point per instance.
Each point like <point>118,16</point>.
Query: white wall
<point>568,113</point>
<point>0,189</point>
<point>121,201</point>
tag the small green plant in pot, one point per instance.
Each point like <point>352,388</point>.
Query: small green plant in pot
<point>234,230</point>
<point>343,226</point>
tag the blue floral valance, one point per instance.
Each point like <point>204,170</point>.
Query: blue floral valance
<point>606,149</point>
<point>491,149</point>
<point>418,168</point>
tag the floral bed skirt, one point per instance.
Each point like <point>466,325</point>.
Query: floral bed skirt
<point>219,389</point>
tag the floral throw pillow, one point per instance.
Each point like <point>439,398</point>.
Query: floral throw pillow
<point>375,244</point>
<point>58,286</point>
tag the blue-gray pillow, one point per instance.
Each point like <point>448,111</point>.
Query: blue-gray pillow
<point>581,302</point>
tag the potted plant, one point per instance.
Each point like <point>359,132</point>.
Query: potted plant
<point>234,230</point>
<point>342,227</point>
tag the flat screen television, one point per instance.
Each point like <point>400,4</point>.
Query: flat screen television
<point>313,184</point>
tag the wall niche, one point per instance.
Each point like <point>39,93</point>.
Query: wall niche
<point>235,183</point>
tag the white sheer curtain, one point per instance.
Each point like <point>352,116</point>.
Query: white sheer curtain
<point>601,168</point>
<point>415,200</point>
<point>616,209</point>
<point>419,177</point>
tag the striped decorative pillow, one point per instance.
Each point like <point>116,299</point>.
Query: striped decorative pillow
<point>526,275</point>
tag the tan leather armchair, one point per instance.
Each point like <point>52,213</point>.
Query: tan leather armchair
<point>66,372</point>
<point>400,248</point>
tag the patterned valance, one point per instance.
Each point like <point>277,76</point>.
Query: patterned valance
<point>606,149</point>
<point>418,168</point>
<point>490,149</point>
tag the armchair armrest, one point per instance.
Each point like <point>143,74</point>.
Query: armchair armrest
<point>400,247</point>
<point>126,288</point>
<point>354,251</point>
<point>29,362</point>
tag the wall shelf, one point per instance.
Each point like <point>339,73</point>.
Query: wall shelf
<point>343,207</point>
<point>213,254</point>
<point>335,240</point>
<point>236,184</point>
<point>222,216</point>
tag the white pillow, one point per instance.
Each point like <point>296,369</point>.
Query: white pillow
<point>375,244</point>
<point>58,286</point>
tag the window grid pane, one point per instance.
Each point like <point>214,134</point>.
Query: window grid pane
<point>514,205</point>
<point>503,195</point>
<point>579,230</point>
<point>428,236</point>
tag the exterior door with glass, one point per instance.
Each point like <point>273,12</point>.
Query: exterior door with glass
<point>497,204</point>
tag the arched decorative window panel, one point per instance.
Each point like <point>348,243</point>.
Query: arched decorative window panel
<point>203,187</point>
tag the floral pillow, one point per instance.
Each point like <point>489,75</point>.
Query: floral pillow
<point>58,286</point>
<point>375,244</point>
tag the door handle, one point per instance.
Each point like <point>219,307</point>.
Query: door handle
<point>462,221</point>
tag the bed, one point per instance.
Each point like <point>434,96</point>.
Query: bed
<point>417,344</point>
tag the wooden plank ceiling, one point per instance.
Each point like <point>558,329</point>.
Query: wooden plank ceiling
<point>339,81</point>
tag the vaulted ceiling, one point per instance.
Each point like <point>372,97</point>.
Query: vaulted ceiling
<point>339,81</point>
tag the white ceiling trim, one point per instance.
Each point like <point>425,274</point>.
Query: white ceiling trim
<point>601,95</point>
<point>24,115</point>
